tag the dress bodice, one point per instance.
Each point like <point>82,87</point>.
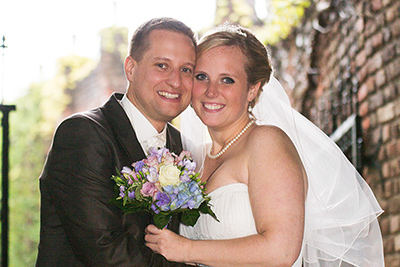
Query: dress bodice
<point>231,204</point>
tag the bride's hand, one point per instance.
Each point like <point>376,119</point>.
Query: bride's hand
<point>165,242</point>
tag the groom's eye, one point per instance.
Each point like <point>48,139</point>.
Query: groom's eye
<point>187,70</point>
<point>201,77</point>
<point>161,65</point>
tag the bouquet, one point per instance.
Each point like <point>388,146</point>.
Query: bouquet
<point>163,184</point>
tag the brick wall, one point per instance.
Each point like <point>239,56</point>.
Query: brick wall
<point>345,58</point>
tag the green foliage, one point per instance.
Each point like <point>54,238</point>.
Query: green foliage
<point>27,153</point>
<point>113,40</point>
<point>31,128</point>
<point>282,16</point>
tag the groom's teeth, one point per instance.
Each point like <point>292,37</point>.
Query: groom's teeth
<point>168,95</point>
<point>213,106</point>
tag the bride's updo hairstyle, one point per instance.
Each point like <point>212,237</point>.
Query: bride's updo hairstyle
<point>258,66</point>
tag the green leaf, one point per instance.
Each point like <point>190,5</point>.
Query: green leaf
<point>161,220</point>
<point>190,217</point>
<point>206,209</point>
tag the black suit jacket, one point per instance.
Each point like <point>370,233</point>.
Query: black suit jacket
<point>78,225</point>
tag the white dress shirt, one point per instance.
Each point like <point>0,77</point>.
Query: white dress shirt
<point>146,134</point>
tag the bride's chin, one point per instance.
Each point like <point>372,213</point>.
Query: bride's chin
<point>211,123</point>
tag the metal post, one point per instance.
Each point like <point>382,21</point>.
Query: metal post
<point>5,109</point>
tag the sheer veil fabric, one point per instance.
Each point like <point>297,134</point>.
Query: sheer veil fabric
<point>341,226</point>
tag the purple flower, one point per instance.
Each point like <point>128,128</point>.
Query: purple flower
<point>190,165</point>
<point>138,166</point>
<point>163,200</point>
<point>152,176</point>
<point>121,191</point>
<point>154,208</point>
<point>158,152</point>
<point>126,170</point>
<point>185,177</point>
<point>131,195</point>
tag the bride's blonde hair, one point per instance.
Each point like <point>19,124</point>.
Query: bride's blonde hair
<point>258,66</point>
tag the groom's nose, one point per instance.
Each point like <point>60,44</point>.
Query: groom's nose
<point>174,78</point>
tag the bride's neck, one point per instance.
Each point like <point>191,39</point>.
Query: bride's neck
<point>221,136</point>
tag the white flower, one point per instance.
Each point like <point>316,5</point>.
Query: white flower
<point>169,175</point>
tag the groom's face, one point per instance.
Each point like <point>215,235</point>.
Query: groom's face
<point>160,83</point>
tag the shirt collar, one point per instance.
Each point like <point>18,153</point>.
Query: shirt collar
<point>143,128</point>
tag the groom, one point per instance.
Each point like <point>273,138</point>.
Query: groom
<point>78,226</point>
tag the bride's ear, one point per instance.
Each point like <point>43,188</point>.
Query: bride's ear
<point>253,91</point>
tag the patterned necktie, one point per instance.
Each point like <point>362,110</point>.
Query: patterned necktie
<point>156,141</point>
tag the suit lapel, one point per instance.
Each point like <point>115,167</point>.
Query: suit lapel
<point>122,128</point>
<point>174,143</point>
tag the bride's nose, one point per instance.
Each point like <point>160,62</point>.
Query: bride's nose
<point>212,90</point>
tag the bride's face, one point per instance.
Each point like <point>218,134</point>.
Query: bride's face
<point>221,93</point>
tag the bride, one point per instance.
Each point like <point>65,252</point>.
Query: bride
<point>283,192</point>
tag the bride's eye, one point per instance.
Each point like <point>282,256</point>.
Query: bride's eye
<point>201,77</point>
<point>228,80</point>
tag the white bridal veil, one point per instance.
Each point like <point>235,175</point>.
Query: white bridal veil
<point>341,226</point>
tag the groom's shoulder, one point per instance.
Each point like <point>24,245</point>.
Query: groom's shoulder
<point>97,115</point>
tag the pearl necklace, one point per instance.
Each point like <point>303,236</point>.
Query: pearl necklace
<point>225,148</point>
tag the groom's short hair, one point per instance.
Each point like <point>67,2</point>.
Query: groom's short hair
<point>140,39</point>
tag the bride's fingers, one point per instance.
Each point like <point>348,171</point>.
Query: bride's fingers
<point>153,247</point>
<point>152,229</point>
<point>151,238</point>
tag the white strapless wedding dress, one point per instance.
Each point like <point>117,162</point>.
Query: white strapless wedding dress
<point>231,204</point>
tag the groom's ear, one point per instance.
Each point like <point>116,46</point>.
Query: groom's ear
<point>129,66</point>
<point>253,91</point>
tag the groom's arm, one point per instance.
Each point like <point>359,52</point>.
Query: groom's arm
<point>78,174</point>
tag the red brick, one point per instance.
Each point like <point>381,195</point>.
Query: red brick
<point>361,58</point>
<point>393,69</point>
<point>360,25</point>
<point>391,13</point>
<point>395,224</point>
<point>385,225</point>
<point>392,260</point>
<point>388,192</point>
<point>397,243</point>
<point>362,92</point>
<point>366,124</point>
<point>388,245</point>
<point>386,170</point>
<point>363,109</point>
<point>394,205</point>
<point>395,27</point>
<point>376,5</point>
<point>375,63</point>
<point>377,39</point>
<point>386,113</point>
<point>386,132</point>
<point>380,78</point>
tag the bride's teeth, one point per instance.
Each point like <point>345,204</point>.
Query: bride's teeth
<point>213,106</point>
<point>168,95</point>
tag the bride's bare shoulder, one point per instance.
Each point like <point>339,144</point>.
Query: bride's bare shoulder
<point>265,132</point>
<point>267,137</point>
